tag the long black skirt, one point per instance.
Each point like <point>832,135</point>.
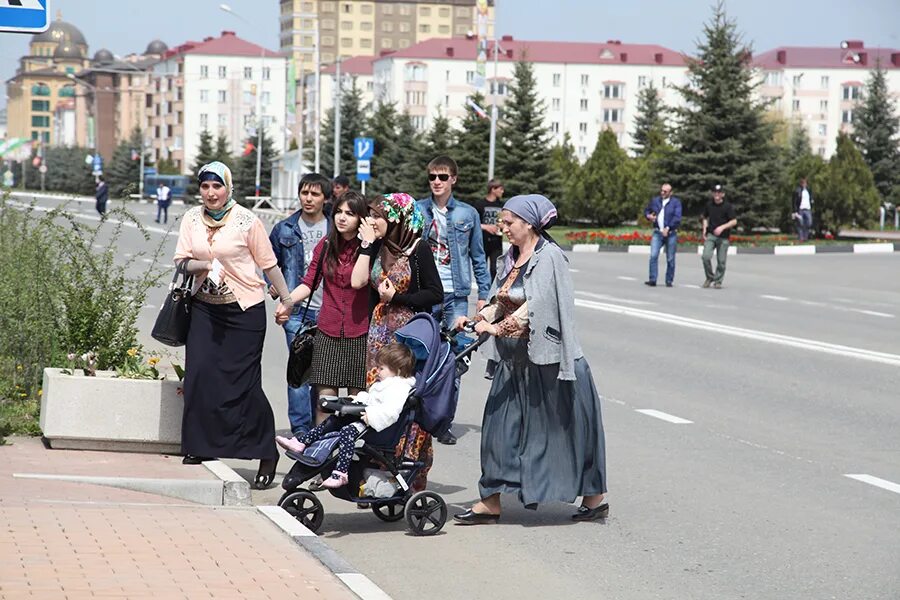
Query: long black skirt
<point>226,412</point>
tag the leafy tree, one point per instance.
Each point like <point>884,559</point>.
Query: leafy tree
<point>566,165</point>
<point>383,130</point>
<point>123,173</point>
<point>222,152</point>
<point>650,130</point>
<point>245,169</point>
<point>523,150</point>
<point>723,136</point>
<point>877,128</point>
<point>440,138</point>
<point>205,155</point>
<point>847,195</point>
<point>353,124</point>
<point>473,142</point>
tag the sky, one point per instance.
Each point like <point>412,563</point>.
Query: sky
<point>126,26</point>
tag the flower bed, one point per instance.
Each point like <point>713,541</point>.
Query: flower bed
<point>685,238</point>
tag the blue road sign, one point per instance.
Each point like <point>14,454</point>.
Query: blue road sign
<point>363,148</point>
<point>98,164</point>
<point>24,16</point>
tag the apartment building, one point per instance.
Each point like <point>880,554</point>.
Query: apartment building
<point>215,85</point>
<point>820,87</point>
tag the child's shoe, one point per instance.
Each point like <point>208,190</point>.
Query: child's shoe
<point>290,444</point>
<point>336,480</point>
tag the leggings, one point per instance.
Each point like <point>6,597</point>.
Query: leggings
<point>346,438</point>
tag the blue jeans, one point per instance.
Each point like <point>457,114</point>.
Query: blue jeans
<point>451,309</point>
<point>163,211</point>
<point>804,224</point>
<point>302,399</point>
<point>656,244</point>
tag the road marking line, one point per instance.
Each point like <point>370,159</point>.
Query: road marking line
<point>574,271</point>
<point>761,336</point>
<point>873,313</point>
<point>626,278</point>
<point>689,285</point>
<point>776,298</point>
<point>876,481</point>
<point>96,218</point>
<point>661,415</point>
<point>147,260</point>
<point>622,300</point>
<point>362,586</point>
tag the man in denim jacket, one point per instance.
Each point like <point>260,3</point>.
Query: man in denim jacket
<point>453,231</point>
<point>664,211</point>
<point>293,241</point>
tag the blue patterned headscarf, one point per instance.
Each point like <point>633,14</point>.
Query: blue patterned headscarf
<point>217,171</point>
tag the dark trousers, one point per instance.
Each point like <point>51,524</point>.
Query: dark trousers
<point>346,439</point>
<point>491,255</point>
<point>164,211</point>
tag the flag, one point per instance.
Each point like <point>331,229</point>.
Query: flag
<point>135,155</point>
<point>478,110</point>
<point>248,148</point>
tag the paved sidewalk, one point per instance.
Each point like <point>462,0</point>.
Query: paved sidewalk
<point>79,540</point>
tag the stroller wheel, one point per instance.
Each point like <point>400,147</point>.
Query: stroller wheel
<point>426,513</point>
<point>388,512</point>
<point>305,507</point>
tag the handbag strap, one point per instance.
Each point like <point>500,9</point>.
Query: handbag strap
<point>316,280</point>
<point>187,279</point>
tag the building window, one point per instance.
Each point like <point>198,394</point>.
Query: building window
<point>470,77</point>
<point>327,23</point>
<point>156,132</point>
<point>248,97</point>
<point>582,151</point>
<point>444,12</point>
<point>347,25</point>
<point>365,43</point>
<point>266,98</point>
<point>425,11</point>
<point>823,82</point>
<point>348,8</point>
<point>463,12</point>
<point>795,105</point>
<point>204,120</point>
<point>248,120</point>
<point>445,29</point>
<point>852,92</point>
<point>327,40</point>
<point>555,103</point>
<point>404,27</point>
<point>387,9</point>
<point>169,130</point>
<point>584,80</point>
<point>365,26</point>
<point>823,129</point>
<point>387,43</point>
<point>419,122</point>
<point>223,72</point>
<point>424,28</point>
<point>446,101</point>
<point>582,127</point>
<point>267,73</point>
<point>366,9</point>
<point>556,79</point>
<point>447,75</point>
<point>797,80</point>
<point>612,115</point>
<point>554,127</point>
<point>583,104</point>
<point>387,26</point>
<point>500,88</point>
<point>38,121</point>
<point>326,6</point>
<point>223,120</point>
<point>461,30</point>
<point>204,95</point>
<point>40,106</point>
<point>346,42</point>
<point>642,81</point>
<point>222,97</point>
<point>405,10</point>
<point>248,72</point>
<point>415,98</point>
<point>404,43</point>
<point>614,90</point>
<point>823,106</point>
<point>773,78</point>
<point>40,89</point>
<point>846,116</point>
<point>415,72</point>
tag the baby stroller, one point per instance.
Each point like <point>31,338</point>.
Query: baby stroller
<point>376,462</point>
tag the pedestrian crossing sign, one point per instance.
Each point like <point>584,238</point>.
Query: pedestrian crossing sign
<point>24,16</point>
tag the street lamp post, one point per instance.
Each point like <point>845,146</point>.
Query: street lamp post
<point>259,121</point>
<point>493,138</point>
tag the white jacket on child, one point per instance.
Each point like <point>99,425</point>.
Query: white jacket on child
<point>384,401</point>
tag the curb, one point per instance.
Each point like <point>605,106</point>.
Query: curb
<point>848,248</point>
<point>235,489</point>
<point>355,581</point>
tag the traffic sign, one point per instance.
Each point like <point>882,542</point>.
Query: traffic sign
<point>363,170</point>
<point>24,16</point>
<point>42,169</point>
<point>97,168</point>
<point>363,148</point>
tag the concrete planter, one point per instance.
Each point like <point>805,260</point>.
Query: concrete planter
<point>108,413</point>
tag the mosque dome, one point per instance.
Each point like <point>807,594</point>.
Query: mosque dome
<point>156,47</point>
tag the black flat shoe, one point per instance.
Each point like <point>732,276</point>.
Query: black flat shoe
<point>473,518</point>
<point>447,438</point>
<point>591,514</point>
<point>266,474</point>
<point>190,459</point>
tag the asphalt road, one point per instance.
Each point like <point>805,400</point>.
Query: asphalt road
<point>768,394</point>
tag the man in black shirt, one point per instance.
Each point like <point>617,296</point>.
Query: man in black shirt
<point>489,213</point>
<point>718,219</point>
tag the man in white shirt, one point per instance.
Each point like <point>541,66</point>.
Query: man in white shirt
<point>163,199</point>
<point>802,209</point>
<point>664,211</point>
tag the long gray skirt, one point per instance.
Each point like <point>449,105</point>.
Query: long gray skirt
<point>542,438</point>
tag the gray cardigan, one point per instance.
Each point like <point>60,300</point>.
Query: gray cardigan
<point>551,312</point>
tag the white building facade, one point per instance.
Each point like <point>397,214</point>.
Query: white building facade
<point>821,88</point>
<point>216,85</point>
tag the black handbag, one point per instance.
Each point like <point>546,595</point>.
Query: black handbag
<point>301,355</point>
<point>174,318</point>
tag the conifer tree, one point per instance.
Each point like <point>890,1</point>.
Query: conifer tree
<point>124,172</point>
<point>353,124</point>
<point>650,130</point>
<point>440,138</point>
<point>205,155</point>
<point>566,165</point>
<point>471,153</point>
<point>600,189</point>
<point>222,153</point>
<point>382,129</point>
<point>523,147</point>
<point>407,158</point>
<point>723,135</point>
<point>877,126</point>
<point>847,196</point>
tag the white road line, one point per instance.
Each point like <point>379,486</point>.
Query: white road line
<point>760,336</point>
<point>661,415</point>
<point>96,218</point>
<point>362,586</point>
<point>614,299</point>
<point>872,313</point>
<point>149,306</point>
<point>689,285</point>
<point>776,298</point>
<point>626,278</point>
<point>574,271</point>
<point>876,481</point>
<point>147,260</point>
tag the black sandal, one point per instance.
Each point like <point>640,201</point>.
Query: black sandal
<point>266,474</point>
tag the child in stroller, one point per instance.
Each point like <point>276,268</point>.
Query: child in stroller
<point>383,404</point>
<point>382,455</point>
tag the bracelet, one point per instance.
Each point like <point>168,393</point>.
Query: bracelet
<point>367,250</point>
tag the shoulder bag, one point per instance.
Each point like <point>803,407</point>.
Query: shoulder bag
<point>301,354</point>
<point>174,318</point>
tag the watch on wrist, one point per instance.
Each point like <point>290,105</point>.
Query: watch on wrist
<point>364,244</point>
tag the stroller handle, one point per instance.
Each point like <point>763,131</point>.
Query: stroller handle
<point>342,406</point>
<point>467,352</point>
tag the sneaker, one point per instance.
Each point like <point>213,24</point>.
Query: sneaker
<point>447,438</point>
<point>650,283</point>
<point>336,480</point>
<point>707,283</point>
<point>290,444</point>
<point>717,285</point>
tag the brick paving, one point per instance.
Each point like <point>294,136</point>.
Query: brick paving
<point>76,540</point>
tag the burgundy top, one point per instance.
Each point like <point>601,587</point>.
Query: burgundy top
<point>345,311</point>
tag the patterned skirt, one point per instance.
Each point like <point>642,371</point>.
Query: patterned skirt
<point>338,362</point>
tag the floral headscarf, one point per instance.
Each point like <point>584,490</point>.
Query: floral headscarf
<point>405,223</point>
<point>217,171</point>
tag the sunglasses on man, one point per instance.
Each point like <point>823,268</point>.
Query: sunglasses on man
<point>441,176</point>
